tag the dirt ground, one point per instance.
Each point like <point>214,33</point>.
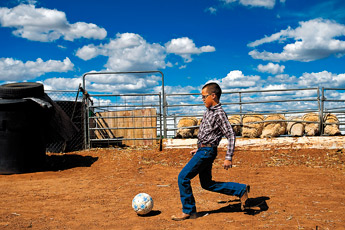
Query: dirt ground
<point>297,189</point>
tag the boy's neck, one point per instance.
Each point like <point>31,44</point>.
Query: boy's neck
<point>214,103</point>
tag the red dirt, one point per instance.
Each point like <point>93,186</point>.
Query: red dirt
<point>300,189</point>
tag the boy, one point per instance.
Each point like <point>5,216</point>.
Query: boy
<point>213,127</point>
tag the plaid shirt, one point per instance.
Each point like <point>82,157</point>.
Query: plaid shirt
<point>214,126</point>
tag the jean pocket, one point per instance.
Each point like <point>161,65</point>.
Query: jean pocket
<point>206,152</point>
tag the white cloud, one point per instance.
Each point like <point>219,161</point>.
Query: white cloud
<point>88,52</point>
<point>185,47</point>
<point>271,68</point>
<point>212,10</point>
<point>109,83</point>
<point>324,78</point>
<point>16,70</point>
<point>259,3</point>
<point>46,25</point>
<point>62,83</point>
<point>85,30</point>
<point>280,37</point>
<point>129,51</point>
<point>269,4</point>
<point>273,87</point>
<point>116,84</point>
<point>236,78</point>
<point>62,47</point>
<point>128,85</point>
<point>125,79</point>
<point>283,78</point>
<point>126,52</point>
<point>234,81</point>
<point>228,1</point>
<point>314,39</point>
<point>308,80</point>
<point>32,2</point>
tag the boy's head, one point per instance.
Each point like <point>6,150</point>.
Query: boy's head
<point>211,93</point>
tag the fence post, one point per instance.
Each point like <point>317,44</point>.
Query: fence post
<point>160,123</point>
<point>86,121</point>
<point>241,116</point>
<point>319,99</point>
<point>175,125</point>
<point>322,109</point>
<point>165,115</point>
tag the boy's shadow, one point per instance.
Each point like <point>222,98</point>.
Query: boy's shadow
<point>255,206</point>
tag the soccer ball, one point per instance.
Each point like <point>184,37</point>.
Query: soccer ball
<point>142,203</point>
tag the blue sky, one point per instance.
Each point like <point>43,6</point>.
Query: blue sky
<point>242,44</point>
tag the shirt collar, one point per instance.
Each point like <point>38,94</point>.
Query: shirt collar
<point>215,107</point>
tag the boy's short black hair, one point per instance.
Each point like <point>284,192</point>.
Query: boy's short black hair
<point>213,87</point>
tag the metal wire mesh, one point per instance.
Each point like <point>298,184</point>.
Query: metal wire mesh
<point>71,103</point>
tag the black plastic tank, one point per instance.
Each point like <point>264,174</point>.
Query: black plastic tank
<point>22,139</point>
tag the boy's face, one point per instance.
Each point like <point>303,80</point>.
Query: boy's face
<point>208,98</point>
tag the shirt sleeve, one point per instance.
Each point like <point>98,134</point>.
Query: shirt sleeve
<point>229,133</point>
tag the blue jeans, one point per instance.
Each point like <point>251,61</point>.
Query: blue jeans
<point>201,164</point>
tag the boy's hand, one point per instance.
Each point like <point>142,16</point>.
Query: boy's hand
<point>227,164</point>
<point>193,152</point>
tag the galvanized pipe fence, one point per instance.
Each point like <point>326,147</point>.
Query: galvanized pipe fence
<point>288,102</point>
<point>109,123</point>
<point>147,118</point>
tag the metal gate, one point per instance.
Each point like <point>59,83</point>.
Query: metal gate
<point>124,119</point>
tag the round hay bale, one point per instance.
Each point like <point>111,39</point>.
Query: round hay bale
<point>273,127</point>
<point>186,122</point>
<point>235,121</point>
<point>196,130</point>
<point>331,129</point>
<point>311,129</point>
<point>295,128</point>
<point>250,128</point>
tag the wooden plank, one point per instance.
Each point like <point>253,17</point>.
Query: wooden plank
<point>129,119</point>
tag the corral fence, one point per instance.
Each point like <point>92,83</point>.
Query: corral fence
<point>143,119</point>
<point>289,102</point>
<point>124,119</point>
